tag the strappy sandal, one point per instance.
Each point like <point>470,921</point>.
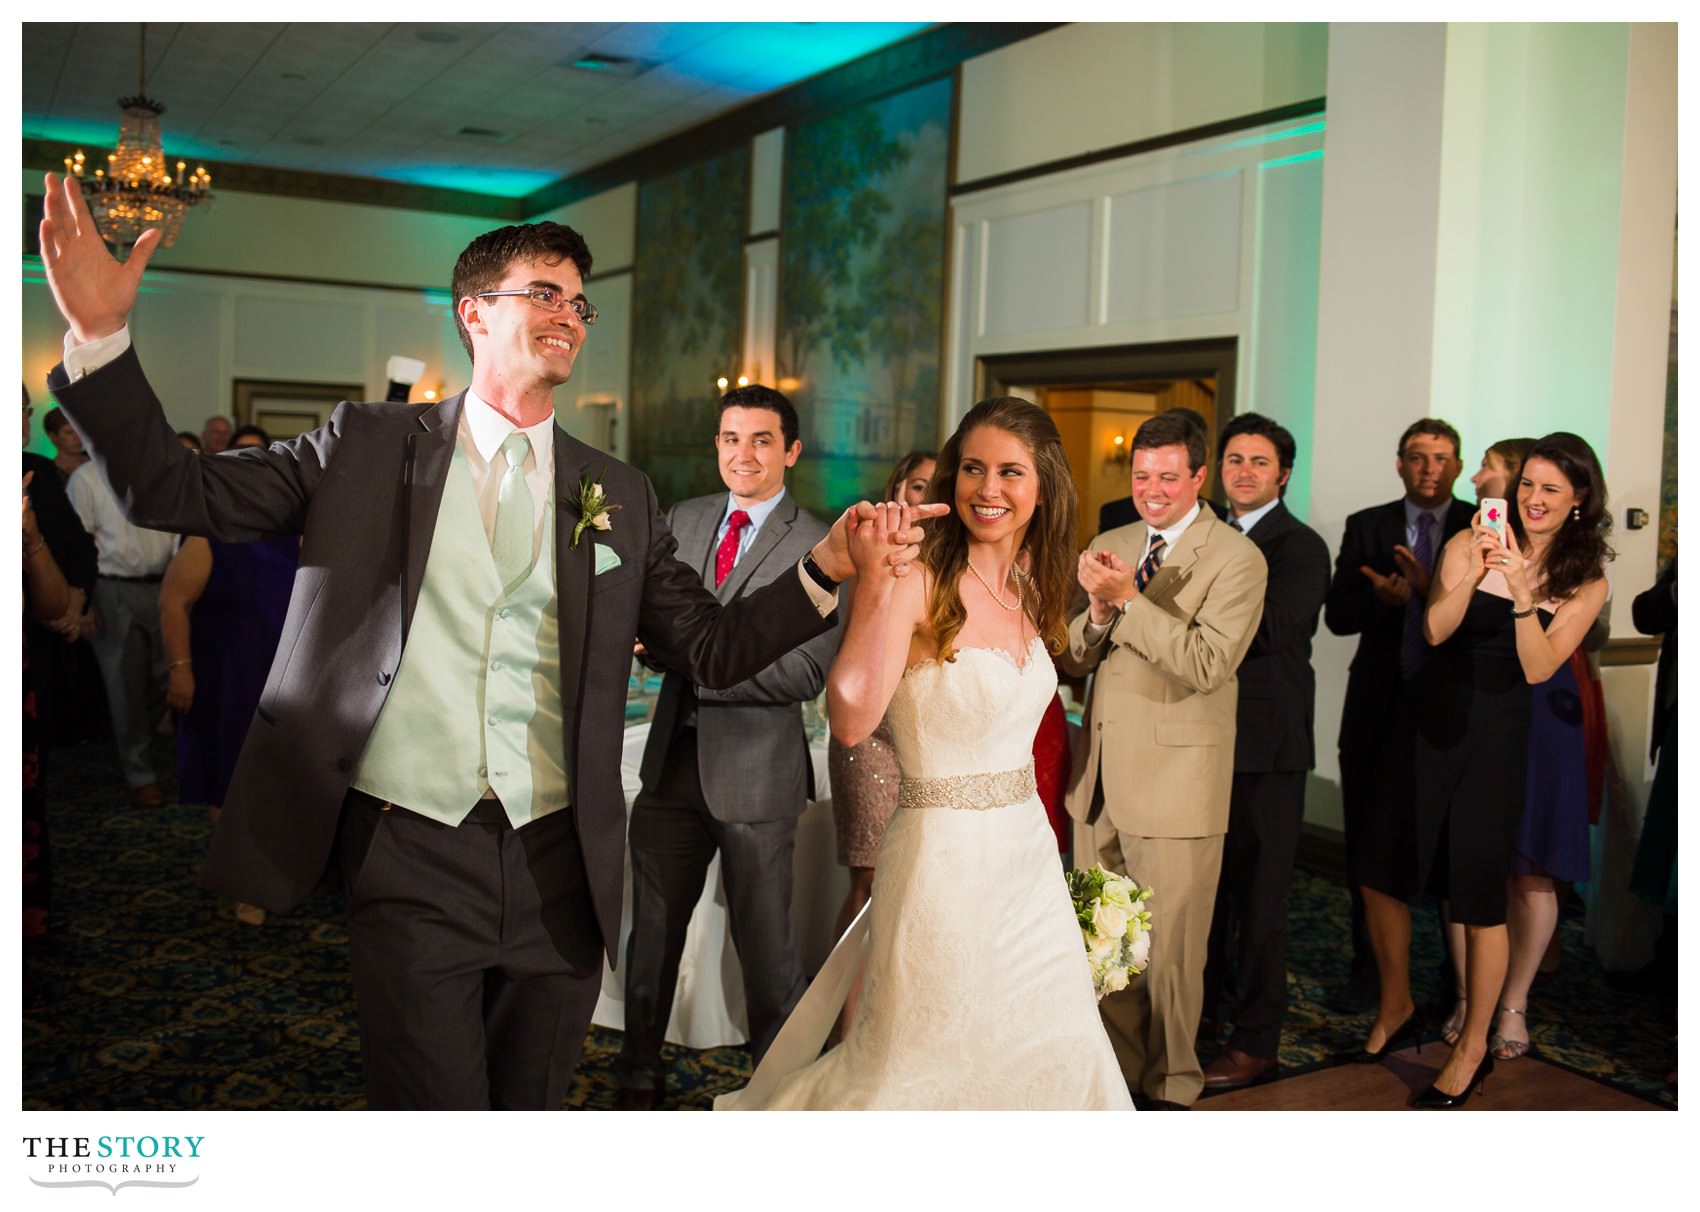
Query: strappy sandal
<point>1509,1049</point>
<point>1453,1028</point>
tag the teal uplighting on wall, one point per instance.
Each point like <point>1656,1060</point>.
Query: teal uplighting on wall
<point>1289,255</point>
<point>1527,253</point>
<point>499,182</point>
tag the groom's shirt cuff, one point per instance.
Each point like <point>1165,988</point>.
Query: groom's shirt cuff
<point>83,359</point>
<point>825,600</point>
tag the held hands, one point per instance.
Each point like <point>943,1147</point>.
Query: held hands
<point>94,290</point>
<point>900,538</point>
<point>1390,590</point>
<point>1108,582</point>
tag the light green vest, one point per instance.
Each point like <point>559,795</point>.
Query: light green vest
<point>476,704</point>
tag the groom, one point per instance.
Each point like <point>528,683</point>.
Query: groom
<point>443,718</point>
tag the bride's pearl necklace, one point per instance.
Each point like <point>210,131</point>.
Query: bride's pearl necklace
<point>1020,592</point>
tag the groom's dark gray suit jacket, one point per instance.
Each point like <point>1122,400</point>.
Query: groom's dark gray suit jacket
<point>363,492</point>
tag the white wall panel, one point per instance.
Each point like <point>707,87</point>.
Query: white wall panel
<point>301,340</point>
<point>1174,250</point>
<point>1038,268</point>
<point>190,386</point>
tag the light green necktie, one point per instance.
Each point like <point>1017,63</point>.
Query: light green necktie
<point>511,541</point>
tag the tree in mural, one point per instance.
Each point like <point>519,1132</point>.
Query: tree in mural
<point>833,206</point>
<point>687,294</point>
<point>891,321</point>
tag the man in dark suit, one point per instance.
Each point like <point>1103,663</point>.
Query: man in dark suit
<point>444,715</point>
<point>61,666</point>
<point>1274,748</point>
<point>726,770</point>
<point>1380,586</point>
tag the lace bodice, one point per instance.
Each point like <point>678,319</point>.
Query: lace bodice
<point>973,715</point>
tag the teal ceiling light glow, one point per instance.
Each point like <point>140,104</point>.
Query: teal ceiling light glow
<point>760,56</point>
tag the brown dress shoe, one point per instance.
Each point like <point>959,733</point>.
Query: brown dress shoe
<point>1234,1070</point>
<point>147,796</point>
<point>626,1099</point>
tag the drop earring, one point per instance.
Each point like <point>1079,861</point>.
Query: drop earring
<point>1575,513</point>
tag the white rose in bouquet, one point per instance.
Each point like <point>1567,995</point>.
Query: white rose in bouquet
<point>1118,892</point>
<point>1110,920</point>
<point>1115,980</point>
<point>1141,950</point>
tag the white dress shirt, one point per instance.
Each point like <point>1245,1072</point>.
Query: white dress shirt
<point>121,549</point>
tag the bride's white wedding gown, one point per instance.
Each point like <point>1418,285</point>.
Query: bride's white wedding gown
<point>977,993</point>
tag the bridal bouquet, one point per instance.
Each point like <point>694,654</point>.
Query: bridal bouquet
<point>1116,929</point>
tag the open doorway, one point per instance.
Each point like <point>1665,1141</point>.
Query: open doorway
<point>1099,397</point>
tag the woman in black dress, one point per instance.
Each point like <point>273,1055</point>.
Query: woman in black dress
<point>1502,615</point>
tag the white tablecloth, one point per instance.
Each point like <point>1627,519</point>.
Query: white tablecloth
<point>708,1008</point>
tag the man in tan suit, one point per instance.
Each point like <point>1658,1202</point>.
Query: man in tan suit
<point>1172,604</point>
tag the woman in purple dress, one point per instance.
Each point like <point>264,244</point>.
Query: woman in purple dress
<point>221,613</point>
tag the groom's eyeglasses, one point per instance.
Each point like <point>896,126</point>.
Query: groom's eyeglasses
<point>550,300</point>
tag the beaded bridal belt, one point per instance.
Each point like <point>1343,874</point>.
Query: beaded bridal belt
<point>973,791</point>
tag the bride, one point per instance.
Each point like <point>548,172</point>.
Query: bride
<point>977,992</point>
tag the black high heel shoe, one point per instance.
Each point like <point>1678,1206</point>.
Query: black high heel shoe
<point>1436,1099</point>
<point>1408,1032</point>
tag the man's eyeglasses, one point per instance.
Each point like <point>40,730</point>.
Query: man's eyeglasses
<point>549,300</point>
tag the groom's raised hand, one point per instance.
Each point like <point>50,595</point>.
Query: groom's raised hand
<point>833,552</point>
<point>94,290</point>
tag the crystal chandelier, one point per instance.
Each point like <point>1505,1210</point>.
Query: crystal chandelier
<point>136,190</point>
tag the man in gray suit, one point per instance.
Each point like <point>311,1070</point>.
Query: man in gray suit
<point>726,770</point>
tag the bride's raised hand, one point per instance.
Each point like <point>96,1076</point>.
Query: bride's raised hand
<point>875,539</point>
<point>832,553</point>
<point>94,290</point>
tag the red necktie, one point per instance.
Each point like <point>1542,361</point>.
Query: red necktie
<point>728,553</point>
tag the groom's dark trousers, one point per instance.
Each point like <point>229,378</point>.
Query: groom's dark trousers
<point>472,944</point>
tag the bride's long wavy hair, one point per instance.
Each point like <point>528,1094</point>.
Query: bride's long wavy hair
<point>1048,545</point>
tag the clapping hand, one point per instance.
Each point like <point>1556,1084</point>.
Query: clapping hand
<point>1108,582</point>
<point>94,290</point>
<point>1416,577</point>
<point>1390,590</point>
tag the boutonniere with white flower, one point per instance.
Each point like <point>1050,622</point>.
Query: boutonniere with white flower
<point>1114,924</point>
<point>593,508</point>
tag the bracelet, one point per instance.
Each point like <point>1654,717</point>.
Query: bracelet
<point>179,664</point>
<point>35,551</point>
<point>1523,614</point>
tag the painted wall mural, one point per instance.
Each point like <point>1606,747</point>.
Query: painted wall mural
<point>862,249</point>
<point>687,304</point>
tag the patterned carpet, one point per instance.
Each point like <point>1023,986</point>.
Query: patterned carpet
<point>149,995</point>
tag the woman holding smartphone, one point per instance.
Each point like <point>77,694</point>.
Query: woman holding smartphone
<point>1510,603</point>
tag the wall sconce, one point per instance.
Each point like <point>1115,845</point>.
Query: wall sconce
<point>723,383</point>
<point>1118,455</point>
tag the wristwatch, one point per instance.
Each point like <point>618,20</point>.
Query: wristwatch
<point>817,574</point>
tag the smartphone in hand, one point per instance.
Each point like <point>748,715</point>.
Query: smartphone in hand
<point>1493,510</point>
